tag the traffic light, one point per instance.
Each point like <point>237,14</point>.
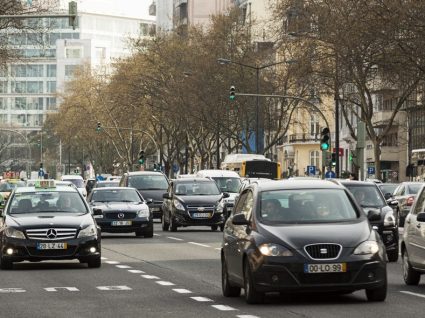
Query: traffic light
<point>98,127</point>
<point>72,12</point>
<point>232,92</point>
<point>333,160</point>
<point>141,157</point>
<point>324,141</point>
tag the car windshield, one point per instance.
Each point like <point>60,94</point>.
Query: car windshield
<point>196,188</point>
<point>231,185</point>
<point>413,188</point>
<point>306,206</point>
<point>115,195</point>
<point>367,196</point>
<point>103,184</point>
<point>148,182</point>
<point>47,201</point>
<point>5,187</point>
<point>388,188</point>
<point>79,183</point>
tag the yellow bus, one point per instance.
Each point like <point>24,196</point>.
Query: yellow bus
<point>252,166</point>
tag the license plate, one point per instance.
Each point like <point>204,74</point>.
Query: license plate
<point>201,215</point>
<point>52,246</point>
<point>325,268</point>
<point>155,209</point>
<point>119,223</point>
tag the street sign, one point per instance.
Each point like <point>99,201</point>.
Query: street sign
<point>330,174</point>
<point>340,152</point>
<point>311,170</point>
<point>370,170</point>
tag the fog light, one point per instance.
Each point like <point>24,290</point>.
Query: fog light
<point>371,275</point>
<point>390,238</point>
<point>275,278</point>
<point>92,249</point>
<point>9,251</point>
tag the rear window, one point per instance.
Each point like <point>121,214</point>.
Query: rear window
<point>148,182</point>
<point>128,195</point>
<point>79,183</point>
<point>413,188</point>
<point>306,206</point>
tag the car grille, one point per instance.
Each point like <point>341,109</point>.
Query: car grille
<point>48,234</point>
<point>323,251</point>
<point>200,209</point>
<point>114,215</point>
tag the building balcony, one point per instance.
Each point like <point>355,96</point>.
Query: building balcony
<point>304,138</point>
<point>178,3</point>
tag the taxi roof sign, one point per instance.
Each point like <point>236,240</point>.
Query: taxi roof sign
<point>45,184</point>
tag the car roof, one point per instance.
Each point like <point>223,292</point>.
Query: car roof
<point>354,182</point>
<point>114,188</point>
<point>217,173</point>
<point>297,184</point>
<point>144,173</point>
<point>190,180</point>
<point>55,189</point>
<point>71,176</point>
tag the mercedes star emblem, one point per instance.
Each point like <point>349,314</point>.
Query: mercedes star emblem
<point>51,233</point>
<point>120,215</point>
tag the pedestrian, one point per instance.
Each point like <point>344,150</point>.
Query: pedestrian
<point>353,176</point>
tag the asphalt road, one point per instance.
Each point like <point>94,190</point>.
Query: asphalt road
<point>173,275</point>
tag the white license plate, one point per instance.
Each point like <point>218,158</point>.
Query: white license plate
<point>120,223</point>
<point>52,246</point>
<point>201,215</point>
<point>155,209</point>
<point>325,268</point>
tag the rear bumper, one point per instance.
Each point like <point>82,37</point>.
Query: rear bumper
<point>106,226</point>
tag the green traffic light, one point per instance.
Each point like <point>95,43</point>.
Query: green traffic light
<point>232,97</point>
<point>324,146</point>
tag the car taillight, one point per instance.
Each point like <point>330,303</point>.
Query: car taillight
<point>410,200</point>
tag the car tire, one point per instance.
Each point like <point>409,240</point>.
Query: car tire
<point>252,296</point>
<point>222,227</point>
<point>410,276</point>
<point>377,294</point>
<point>94,262</point>
<point>149,231</point>
<point>5,264</point>
<point>214,228</point>
<point>165,225</point>
<point>226,286</point>
<point>400,220</point>
<point>393,255</point>
<point>173,225</point>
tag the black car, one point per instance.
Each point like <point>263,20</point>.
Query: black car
<point>370,197</point>
<point>121,210</point>
<point>413,241</point>
<point>301,236</point>
<point>151,186</point>
<point>45,222</point>
<point>196,201</point>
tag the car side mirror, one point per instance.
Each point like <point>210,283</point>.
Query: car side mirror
<point>240,219</point>
<point>373,215</point>
<point>166,196</point>
<point>149,201</point>
<point>226,195</point>
<point>393,203</point>
<point>97,212</point>
<point>421,217</point>
<point>387,196</point>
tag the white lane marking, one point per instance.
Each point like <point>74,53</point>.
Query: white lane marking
<point>12,290</point>
<point>174,238</point>
<point>163,283</point>
<point>112,262</point>
<point>103,258</point>
<point>201,298</point>
<point>218,248</point>
<point>247,316</point>
<point>413,294</point>
<point>113,288</point>
<point>136,271</point>
<point>199,244</point>
<point>223,307</point>
<point>150,276</point>
<point>55,289</point>
<point>157,235</point>
<point>182,291</point>
<point>123,266</point>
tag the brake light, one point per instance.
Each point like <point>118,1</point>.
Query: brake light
<point>410,200</point>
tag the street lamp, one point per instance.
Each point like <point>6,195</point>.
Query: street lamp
<point>257,69</point>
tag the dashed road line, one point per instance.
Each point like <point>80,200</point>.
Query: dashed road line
<point>174,238</point>
<point>136,271</point>
<point>55,289</point>
<point>164,283</point>
<point>114,287</point>
<point>123,266</point>
<point>112,262</point>
<point>103,258</point>
<point>182,291</point>
<point>413,294</point>
<point>201,299</point>
<point>247,316</point>
<point>223,307</point>
<point>150,276</point>
<point>199,244</point>
<point>12,290</point>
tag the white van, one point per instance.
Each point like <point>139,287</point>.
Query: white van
<point>77,181</point>
<point>227,181</point>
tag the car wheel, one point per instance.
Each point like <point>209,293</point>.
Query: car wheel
<point>400,220</point>
<point>5,264</point>
<point>252,296</point>
<point>94,262</point>
<point>173,225</point>
<point>226,287</point>
<point>393,255</point>
<point>377,294</point>
<point>214,227</point>
<point>410,276</point>
<point>165,224</point>
<point>149,231</point>
<point>222,227</point>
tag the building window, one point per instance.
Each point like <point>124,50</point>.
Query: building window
<point>51,70</point>
<point>3,104</point>
<point>73,52</point>
<point>51,86</point>
<point>314,125</point>
<point>35,87</point>
<point>70,69</point>
<point>3,87</point>
<point>35,103</point>
<point>20,103</point>
<point>51,103</point>
<point>314,158</point>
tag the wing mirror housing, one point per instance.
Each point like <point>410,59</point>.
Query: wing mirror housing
<point>97,211</point>
<point>387,195</point>
<point>421,217</point>
<point>149,201</point>
<point>240,219</point>
<point>226,195</point>
<point>373,215</point>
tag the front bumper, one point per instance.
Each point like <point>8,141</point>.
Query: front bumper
<point>156,209</point>
<point>26,250</point>
<point>182,218</point>
<point>136,225</point>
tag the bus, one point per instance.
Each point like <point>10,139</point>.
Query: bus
<point>252,166</point>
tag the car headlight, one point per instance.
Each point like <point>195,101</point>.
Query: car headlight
<point>179,205</point>
<point>220,207</point>
<point>143,213</point>
<point>14,233</point>
<point>274,250</point>
<point>389,219</point>
<point>366,248</point>
<point>88,231</point>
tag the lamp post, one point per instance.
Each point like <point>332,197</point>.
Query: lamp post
<point>257,69</point>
